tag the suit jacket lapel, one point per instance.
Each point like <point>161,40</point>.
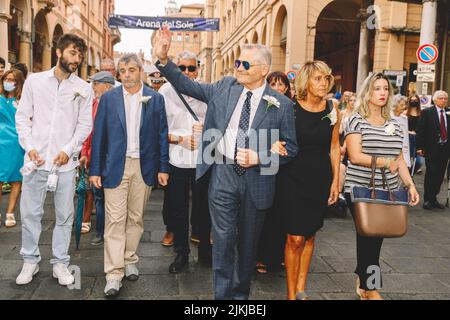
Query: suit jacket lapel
<point>262,111</point>
<point>235,94</point>
<point>121,108</point>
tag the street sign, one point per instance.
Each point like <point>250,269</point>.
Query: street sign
<point>292,75</point>
<point>426,77</point>
<point>428,54</point>
<point>399,81</point>
<point>424,68</point>
<point>425,101</point>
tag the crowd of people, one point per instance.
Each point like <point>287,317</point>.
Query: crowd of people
<point>261,158</point>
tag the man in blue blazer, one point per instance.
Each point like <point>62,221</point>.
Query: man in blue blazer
<point>244,118</point>
<point>130,154</point>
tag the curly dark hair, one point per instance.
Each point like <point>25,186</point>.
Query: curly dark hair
<point>69,38</point>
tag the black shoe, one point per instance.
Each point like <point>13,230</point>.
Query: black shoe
<point>437,205</point>
<point>97,241</point>
<point>428,205</point>
<point>181,261</point>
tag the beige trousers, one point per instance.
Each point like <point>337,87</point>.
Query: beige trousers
<point>124,224</point>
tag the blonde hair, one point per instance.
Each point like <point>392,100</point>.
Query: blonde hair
<point>307,72</point>
<point>365,94</point>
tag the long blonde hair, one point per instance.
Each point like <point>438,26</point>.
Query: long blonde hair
<point>365,94</point>
<point>306,73</point>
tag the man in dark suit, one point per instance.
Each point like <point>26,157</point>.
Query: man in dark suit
<point>433,133</point>
<point>129,150</point>
<point>244,118</point>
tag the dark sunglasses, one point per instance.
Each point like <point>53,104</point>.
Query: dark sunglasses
<point>190,68</point>
<point>247,65</point>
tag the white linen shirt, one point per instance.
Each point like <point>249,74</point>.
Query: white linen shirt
<point>133,110</point>
<point>180,123</point>
<point>54,117</point>
<point>227,145</point>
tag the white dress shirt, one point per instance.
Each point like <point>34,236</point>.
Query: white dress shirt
<point>439,115</point>
<point>180,123</point>
<point>54,117</point>
<point>227,145</point>
<point>133,109</point>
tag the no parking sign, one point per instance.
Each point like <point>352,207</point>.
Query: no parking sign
<point>428,54</point>
<point>292,75</point>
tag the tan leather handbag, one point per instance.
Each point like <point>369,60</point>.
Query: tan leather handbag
<point>380,213</point>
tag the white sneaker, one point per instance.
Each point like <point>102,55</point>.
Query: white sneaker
<point>63,275</point>
<point>29,270</point>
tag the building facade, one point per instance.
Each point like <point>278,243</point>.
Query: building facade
<point>354,37</point>
<point>32,28</point>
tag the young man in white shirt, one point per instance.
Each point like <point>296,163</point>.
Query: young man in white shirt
<point>185,131</point>
<point>53,119</point>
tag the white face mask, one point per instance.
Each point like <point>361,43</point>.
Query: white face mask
<point>9,87</point>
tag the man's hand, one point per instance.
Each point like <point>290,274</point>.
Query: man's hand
<point>34,156</point>
<point>96,182</point>
<point>161,47</point>
<point>247,158</point>
<point>62,159</point>
<point>163,179</point>
<point>84,162</point>
<point>421,153</point>
<point>279,147</point>
<point>189,143</point>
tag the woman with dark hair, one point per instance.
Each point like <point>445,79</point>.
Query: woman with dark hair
<point>278,81</point>
<point>413,120</point>
<point>270,254</point>
<point>11,154</point>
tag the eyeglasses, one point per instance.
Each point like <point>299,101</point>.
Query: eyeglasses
<point>189,68</point>
<point>247,65</point>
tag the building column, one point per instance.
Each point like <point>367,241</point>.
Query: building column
<point>363,56</point>
<point>47,57</point>
<point>84,70</point>
<point>25,49</point>
<point>427,36</point>
<point>4,36</point>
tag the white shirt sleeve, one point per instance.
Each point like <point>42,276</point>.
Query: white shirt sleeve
<point>24,115</point>
<point>83,128</point>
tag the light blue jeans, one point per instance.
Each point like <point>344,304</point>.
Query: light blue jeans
<point>34,192</point>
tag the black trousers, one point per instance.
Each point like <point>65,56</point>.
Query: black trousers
<point>367,253</point>
<point>165,212</point>
<point>181,183</point>
<point>436,163</point>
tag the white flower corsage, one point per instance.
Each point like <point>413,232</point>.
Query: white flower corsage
<point>390,129</point>
<point>271,101</point>
<point>77,94</point>
<point>145,100</point>
<point>333,116</point>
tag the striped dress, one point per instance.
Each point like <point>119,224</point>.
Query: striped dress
<point>382,141</point>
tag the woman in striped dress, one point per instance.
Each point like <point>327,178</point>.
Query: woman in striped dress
<point>372,132</point>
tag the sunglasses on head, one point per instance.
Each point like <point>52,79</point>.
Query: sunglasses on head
<point>247,65</point>
<point>189,68</point>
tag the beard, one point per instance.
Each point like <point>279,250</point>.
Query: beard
<point>67,67</point>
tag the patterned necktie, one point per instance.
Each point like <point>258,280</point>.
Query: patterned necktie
<point>443,128</point>
<point>242,137</point>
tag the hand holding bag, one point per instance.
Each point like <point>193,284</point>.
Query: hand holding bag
<point>380,213</point>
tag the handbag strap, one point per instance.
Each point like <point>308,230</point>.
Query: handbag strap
<point>188,107</point>
<point>372,179</point>
<point>386,185</point>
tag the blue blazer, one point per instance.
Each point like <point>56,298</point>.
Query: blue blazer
<point>222,98</point>
<point>109,141</point>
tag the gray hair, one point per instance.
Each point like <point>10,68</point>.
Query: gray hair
<point>131,57</point>
<point>264,53</point>
<point>186,55</point>
<point>439,93</point>
<point>108,62</point>
<point>398,98</point>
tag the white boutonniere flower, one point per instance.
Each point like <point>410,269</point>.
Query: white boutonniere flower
<point>145,100</point>
<point>390,129</point>
<point>78,94</point>
<point>333,116</point>
<point>271,102</point>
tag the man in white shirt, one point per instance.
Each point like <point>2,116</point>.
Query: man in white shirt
<point>185,130</point>
<point>53,119</point>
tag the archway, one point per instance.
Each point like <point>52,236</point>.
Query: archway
<point>255,38</point>
<point>279,43</point>
<point>264,35</point>
<point>41,50</point>
<point>19,30</point>
<point>57,33</point>
<point>337,41</point>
